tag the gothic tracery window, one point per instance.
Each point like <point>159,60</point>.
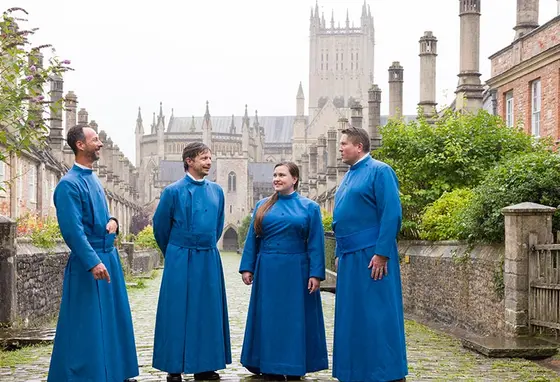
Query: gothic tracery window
<point>232,182</point>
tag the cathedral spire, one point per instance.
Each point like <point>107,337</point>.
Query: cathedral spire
<point>207,114</point>
<point>139,126</point>
<point>364,9</point>
<point>300,92</point>
<point>347,19</point>
<point>332,19</point>
<point>317,8</point>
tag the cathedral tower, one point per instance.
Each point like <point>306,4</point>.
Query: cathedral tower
<point>340,61</point>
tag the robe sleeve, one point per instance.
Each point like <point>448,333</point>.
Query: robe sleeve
<point>163,219</point>
<point>250,249</point>
<point>316,243</point>
<point>69,214</point>
<point>386,190</point>
<point>221,217</point>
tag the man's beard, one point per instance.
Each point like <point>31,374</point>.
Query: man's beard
<point>92,156</point>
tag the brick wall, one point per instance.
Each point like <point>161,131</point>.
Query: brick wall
<point>546,37</point>
<point>550,99</point>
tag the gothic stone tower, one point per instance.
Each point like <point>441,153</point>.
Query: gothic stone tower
<point>340,61</point>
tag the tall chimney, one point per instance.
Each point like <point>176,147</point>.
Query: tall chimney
<point>374,104</point>
<point>396,79</point>
<point>428,54</point>
<point>469,91</point>
<point>527,17</point>
<point>356,116</point>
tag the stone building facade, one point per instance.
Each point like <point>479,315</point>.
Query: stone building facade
<point>28,180</point>
<point>245,148</point>
<point>525,76</point>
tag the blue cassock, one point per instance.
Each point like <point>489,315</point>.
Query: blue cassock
<point>369,339</point>
<point>192,328</point>
<point>94,339</point>
<point>285,332</point>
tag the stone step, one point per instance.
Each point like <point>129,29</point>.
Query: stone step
<point>11,339</point>
<point>501,347</point>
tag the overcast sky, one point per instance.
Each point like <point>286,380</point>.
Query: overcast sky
<point>232,53</point>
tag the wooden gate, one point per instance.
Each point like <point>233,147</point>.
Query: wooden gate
<point>544,289</point>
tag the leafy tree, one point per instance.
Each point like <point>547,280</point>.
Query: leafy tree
<point>532,177</point>
<point>455,152</point>
<point>23,80</point>
<point>442,220</point>
<point>243,229</point>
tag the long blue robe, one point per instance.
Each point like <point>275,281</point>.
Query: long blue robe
<point>369,339</point>
<point>192,327</point>
<point>94,339</point>
<point>285,332</point>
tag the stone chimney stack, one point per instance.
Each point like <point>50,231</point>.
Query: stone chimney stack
<point>331,157</point>
<point>527,17</point>
<point>374,103</point>
<point>71,105</point>
<point>428,54</point>
<point>469,91</point>
<point>83,117</point>
<point>56,140</point>
<point>396,79</point>
<point>356,116</point>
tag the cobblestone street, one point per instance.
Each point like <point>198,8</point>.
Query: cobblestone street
<point>432,355</point>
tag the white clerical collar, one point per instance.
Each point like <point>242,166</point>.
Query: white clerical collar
<point>361,159</point>
<point>82,166</point>
<point>192,177</point>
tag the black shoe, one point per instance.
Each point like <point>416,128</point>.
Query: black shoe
<point>206,376</point>
<point>273,377</point>
<point>254,370</point>
<point>130,380</point>
<point>174,378</point>
<point>293,378</point>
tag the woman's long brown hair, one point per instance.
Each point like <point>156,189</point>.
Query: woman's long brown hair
<point>263,209</point>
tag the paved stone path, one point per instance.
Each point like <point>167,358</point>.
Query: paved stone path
<point>433,356</point>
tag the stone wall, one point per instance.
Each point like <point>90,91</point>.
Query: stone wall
<point>453,283</point>
<point>31,278</point>
<point>449,282</point>
<point>39,275</point>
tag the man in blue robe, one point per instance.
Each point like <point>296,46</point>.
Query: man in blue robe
<point>94,337</point>
<point>369,339</point>
<point>192,327</point>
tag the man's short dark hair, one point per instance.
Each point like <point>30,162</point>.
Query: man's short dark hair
<point>75,134</point>
<point>192,150</point>
<point>358,135</point>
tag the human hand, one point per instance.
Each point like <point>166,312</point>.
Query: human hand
<point>112,226</point>
<point>100,272</point>
<point>247,278</point>
<point>313,284</point>
<point>378,265</point>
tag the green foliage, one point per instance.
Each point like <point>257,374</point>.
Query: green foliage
<point>47,236</point>
<point>129,238</point>
<point>455,152</point>
<point>442,219</point>
<point>532,177</point>
<point>23,104</point>
<point>145,239</point>
<point>243,229</point>
<point>330,244</point>
<point>327,220</point>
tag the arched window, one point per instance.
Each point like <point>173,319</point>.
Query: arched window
<point>231,182</point>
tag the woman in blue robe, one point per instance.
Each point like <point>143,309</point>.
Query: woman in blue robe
<point>284,260</point>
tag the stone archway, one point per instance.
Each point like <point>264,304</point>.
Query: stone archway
<point>230,243</point>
